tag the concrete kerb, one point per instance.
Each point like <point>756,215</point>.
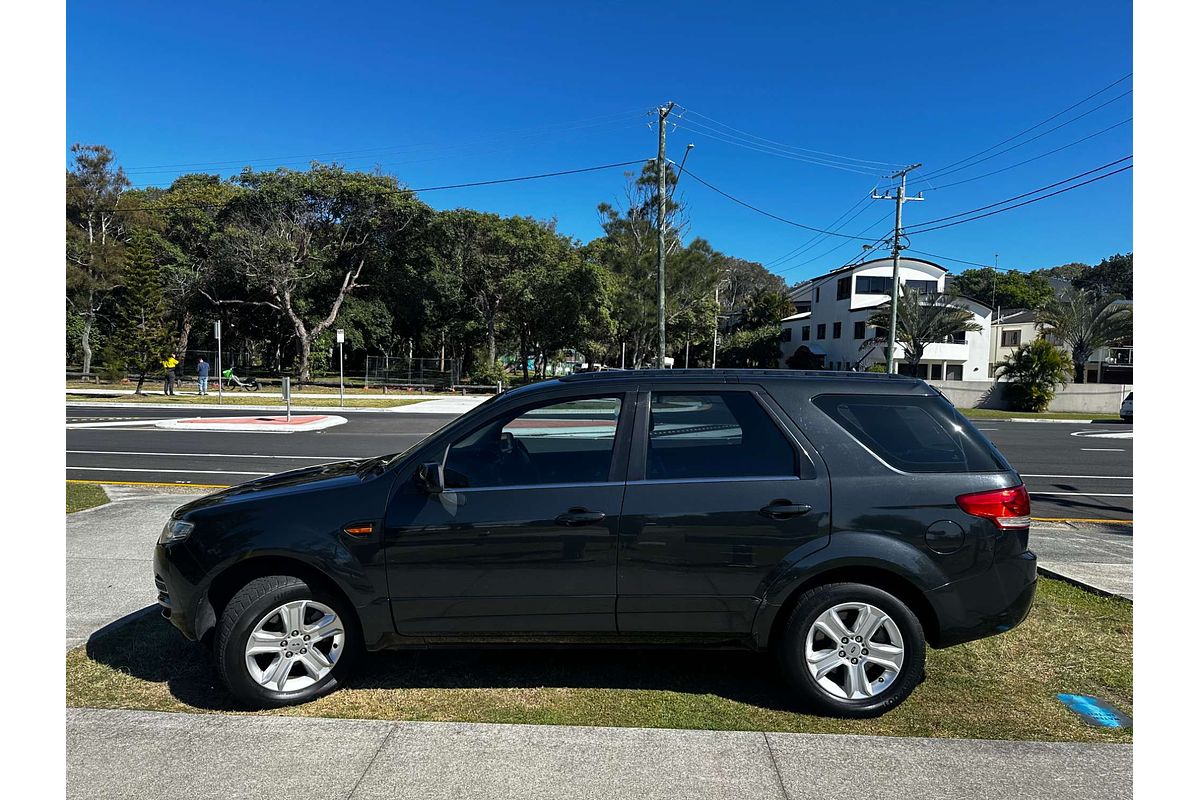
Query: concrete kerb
<point>1047,572</point>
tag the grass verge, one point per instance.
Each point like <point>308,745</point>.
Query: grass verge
<point>992,413</point>
<point>998,688</point>
<point>247,400</point>
<point>82,496</point>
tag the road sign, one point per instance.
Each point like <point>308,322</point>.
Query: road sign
<point>217,330</point>
<point>341,335</point>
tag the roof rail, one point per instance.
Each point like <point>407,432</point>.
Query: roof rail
<point>708,374</point>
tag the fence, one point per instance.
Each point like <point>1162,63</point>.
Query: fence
<point>401,371</point>
<point>1091,398</point>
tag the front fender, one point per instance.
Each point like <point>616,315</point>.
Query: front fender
<point>846,551</point>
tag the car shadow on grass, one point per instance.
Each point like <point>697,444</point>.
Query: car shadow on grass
<point>145,646</point>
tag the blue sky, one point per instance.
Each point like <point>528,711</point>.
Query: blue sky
<point>445,92</point>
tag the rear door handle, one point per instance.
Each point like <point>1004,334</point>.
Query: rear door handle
<point>576,517</point>
<point>785,510</point>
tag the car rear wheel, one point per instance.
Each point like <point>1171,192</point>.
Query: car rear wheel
<point>852,650</point>
<point>282,641</point>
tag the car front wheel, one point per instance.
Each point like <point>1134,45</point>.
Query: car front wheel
<point>282,641</point>
<point>853,650</point>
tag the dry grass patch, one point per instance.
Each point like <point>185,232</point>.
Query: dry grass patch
<point>81,496</point>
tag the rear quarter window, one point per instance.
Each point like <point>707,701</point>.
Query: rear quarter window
<point>913,434</point>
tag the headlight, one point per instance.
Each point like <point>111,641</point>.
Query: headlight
<point>175,530</point>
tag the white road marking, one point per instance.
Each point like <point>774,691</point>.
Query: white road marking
<point>211,455</point>
<point>165,471</point>
<point>1089,477</point>
<point>1102,449</point>
<point>1104,434</point>
<point>121,424</point>
<point>1081,494</point>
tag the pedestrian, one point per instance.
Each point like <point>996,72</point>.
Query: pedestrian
<point>169,364</point>
<point>202,374</point>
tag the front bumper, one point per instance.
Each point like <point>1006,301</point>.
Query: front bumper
<point>175,593</point>
<point>987,603</point>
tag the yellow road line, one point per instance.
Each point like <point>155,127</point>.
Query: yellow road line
<point>1082,519</point>
<point>155,483</point>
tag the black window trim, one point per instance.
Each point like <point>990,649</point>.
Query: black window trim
<point>804,468</point>
<point>620,452</point>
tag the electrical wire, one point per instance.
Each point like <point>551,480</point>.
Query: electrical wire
<point>922,226</point>
<point>834,156</point>
<point>1038,125</point>
<point>806,244</point>
<point>720,137</point>
<point>765,213</point>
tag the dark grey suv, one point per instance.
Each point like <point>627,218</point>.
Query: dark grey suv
<point>842,520</point>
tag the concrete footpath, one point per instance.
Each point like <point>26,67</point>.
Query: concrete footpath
<point>135,754</point>
<point>1096,557</point>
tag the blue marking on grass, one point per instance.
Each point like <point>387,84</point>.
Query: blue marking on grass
<point>1095,711</point>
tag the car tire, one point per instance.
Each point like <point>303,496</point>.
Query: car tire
<point>313,657</point>
<point>839,676</point>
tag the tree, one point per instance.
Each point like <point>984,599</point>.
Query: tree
<point>1113,275</point>
<point>141,338</point>
<point>1012,289</point>
<point>1034,371</point>
<point>95,230</point>
<point>1084,321</point>
<point>302,241</point>
<point>921,320</point>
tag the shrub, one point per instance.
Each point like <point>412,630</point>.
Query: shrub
<point>1034,372</point>
<point>489,375</point>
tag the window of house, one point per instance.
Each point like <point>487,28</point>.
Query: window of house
<point>881,333</point>
<point>837,330</point>
<point>843,288</point>
<point>719,435</point>
<point>873,284</point>
<point>817,294</point>
<point>804,333</point>
<point>954,372</point>
<point>922,287</point>
<point>821,331</point>
<point>787,334</point>
<point>804,306</point>
<point>1010,339</point>
<point>860,330</point>
<point>564,442</point>
<point>935,372</point>
<point>958,337</point>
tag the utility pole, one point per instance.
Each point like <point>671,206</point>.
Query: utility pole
<point>663,113</point>
<point>716,322</point>
<point>900,200</point>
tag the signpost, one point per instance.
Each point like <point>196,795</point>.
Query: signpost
<point>220,375</point>
<point>341,339</point>
<point>287,396</point>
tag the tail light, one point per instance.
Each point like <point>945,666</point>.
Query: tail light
<point>1006,508</point>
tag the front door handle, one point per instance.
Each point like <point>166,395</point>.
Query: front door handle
<point>576,517</point>
<point>785,510</point>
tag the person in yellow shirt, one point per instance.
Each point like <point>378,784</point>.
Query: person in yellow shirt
<point>169,364</point>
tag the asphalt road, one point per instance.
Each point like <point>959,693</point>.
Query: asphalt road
<point>1073,471</point>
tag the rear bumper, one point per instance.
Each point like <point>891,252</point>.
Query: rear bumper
<point>987,603</point>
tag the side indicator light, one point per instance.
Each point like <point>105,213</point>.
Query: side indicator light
<point>360,528</point>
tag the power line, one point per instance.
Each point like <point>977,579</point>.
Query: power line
<point>772,151</point>
<point>767,213</point>
<point>875,244</point>
<point>789,146</point>
<point>1027,202</point>
<point>948,171</point>
<point>955,260</point>
<point>1034,127</point>
<point>417,190</point>
<point>1035,158</point>
<point>810,242</point>
<point>587,122</point>
<point>922,225</point>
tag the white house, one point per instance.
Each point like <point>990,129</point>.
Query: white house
<point>832,310</point>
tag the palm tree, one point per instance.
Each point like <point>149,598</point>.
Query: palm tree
<point>1034,371</point>
<point>921,320</point>
<point>1084,321</point>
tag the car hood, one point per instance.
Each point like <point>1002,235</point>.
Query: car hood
<point>306,479</point>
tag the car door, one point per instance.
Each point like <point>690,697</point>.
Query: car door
<point>523,539</point>
<point>720,492</point>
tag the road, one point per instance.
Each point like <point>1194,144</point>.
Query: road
<point>1082,471</point>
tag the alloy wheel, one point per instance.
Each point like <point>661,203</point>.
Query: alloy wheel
<point>854,651</point>
<point>295,646</point>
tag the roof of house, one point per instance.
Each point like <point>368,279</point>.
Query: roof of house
<point>1018,316</point>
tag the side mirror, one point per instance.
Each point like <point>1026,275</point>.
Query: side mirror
<point>431,477</point>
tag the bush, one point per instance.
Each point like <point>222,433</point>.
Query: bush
<point>1034,372</point>
<point>489,375</point>
<point>112,367</point>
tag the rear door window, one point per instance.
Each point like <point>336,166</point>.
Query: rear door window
<point>717,435</point>
<point>913,434</point>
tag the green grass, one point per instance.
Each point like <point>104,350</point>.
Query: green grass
<point>1003,687</point>
<point>250,399</point>
<point>81,496</point>
<point>992,413</point>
